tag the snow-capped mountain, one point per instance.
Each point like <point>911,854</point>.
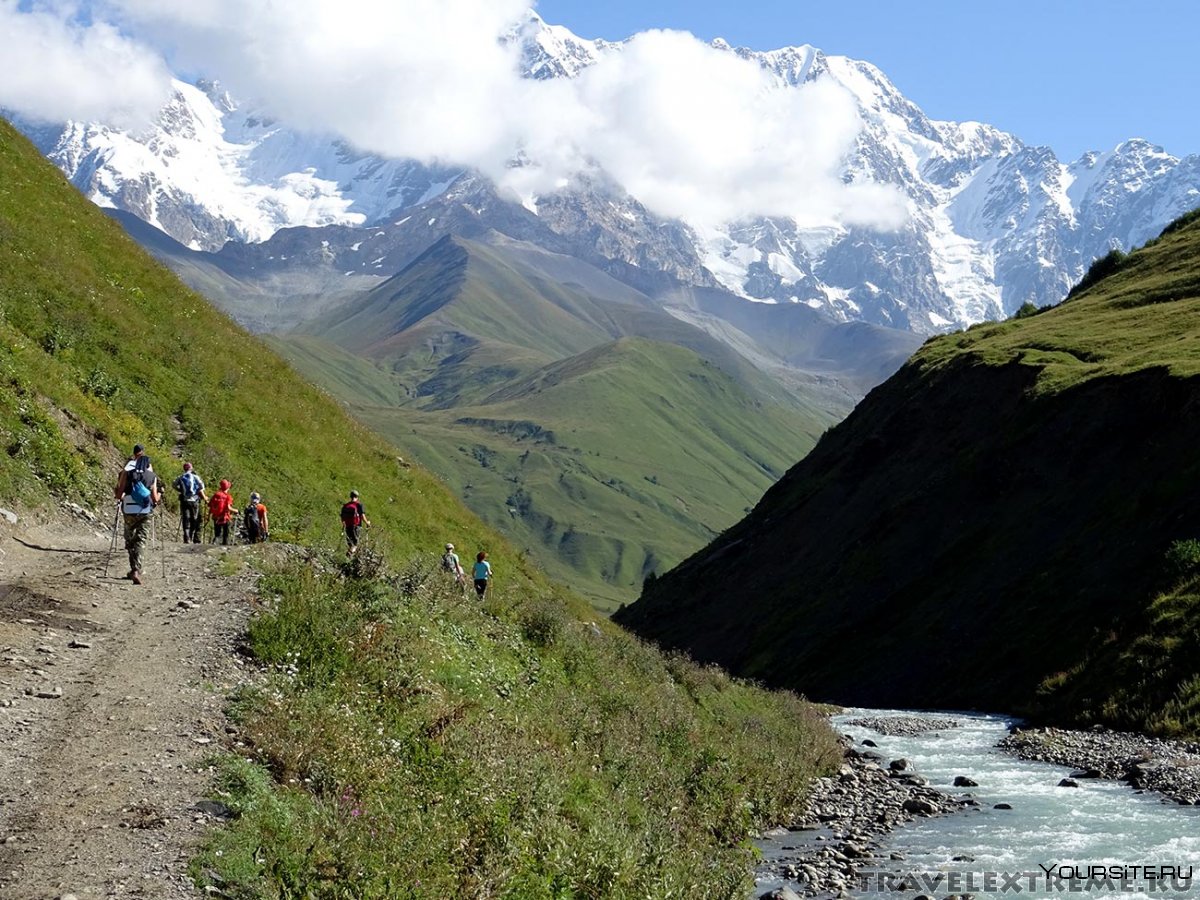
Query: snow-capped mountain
<point>993,223</point>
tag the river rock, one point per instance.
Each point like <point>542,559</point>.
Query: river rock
<point>964,781</point>
<point>1002,806</point>
<point>783,893</point>
<point>918,806</point>
<point>852,807</point>
<point>1068,782</point>
<point>898,765</point>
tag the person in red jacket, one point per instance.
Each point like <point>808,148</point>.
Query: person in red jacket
<point>353,518</point>
<point>220,509</point>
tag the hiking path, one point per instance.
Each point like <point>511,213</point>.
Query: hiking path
<point>111,705</point>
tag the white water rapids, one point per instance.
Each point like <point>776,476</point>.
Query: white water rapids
<point>1099,823</point>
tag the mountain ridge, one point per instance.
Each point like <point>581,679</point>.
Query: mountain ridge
<point>994,223</point>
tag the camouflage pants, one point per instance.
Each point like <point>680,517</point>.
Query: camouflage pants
<point>137,538</point>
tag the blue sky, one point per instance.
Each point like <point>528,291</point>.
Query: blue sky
<point>1075,75</point>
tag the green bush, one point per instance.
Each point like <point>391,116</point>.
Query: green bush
<point>1027,309</point>
<point>1100,269</point>
<point>101,385</point>
<point>1183,558</point>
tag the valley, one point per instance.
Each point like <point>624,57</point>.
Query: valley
<point>832,454</point>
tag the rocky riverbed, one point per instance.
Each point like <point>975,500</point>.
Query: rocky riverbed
<point>903,725</point>
<point>1172,768</point>
<point>838,833</point>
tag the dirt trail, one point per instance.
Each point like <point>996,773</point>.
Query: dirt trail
<point>111,701</point>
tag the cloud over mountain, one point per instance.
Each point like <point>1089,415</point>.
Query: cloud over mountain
<point>692,132</point>
<point>59,64</point>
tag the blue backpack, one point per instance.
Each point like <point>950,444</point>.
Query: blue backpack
<point>136,483</point>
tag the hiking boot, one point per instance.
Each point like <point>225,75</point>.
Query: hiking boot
<point>128,575</point>
<point>135,577</point>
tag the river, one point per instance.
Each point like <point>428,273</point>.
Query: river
<point>1099,823</point>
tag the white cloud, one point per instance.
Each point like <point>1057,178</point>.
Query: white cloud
<point>704,135</point>
<point>689,130</point>
<point>56,68</point>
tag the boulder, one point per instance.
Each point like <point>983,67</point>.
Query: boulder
<point>783,893</point>
<point>919,807</point>
<point>964,781</point>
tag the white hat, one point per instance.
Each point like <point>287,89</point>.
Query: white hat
<point>449,546</point>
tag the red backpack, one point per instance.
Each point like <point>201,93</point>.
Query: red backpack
<point>350,514</point>
<point>218,507</point>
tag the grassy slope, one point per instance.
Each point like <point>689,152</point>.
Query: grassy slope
<point>602,505</point>
<point>93,327</point>
<point>989,527</point>
<point>500,750</point>
<point>508,385</point>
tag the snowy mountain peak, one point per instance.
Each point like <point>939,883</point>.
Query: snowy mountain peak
<point>993,222</point>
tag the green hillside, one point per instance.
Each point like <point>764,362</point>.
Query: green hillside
<point>991,527</point>
<point>604,437</point>
<point>610,465</point>
<point>503,749</point>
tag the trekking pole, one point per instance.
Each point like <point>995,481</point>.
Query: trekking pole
<point>112,544</point>
<point>162,550</point>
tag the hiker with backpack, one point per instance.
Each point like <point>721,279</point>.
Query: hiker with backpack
<point>451,566</point>
<point>254,520</point>
<point>191,494</point>
<point>482,573</point>
<point>354,517</point>
<point>221,511</point>
<point>137,492</point>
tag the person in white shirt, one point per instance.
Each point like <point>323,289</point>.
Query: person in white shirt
<point>137,490</point>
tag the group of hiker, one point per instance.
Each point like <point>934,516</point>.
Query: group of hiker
<point>138,492</point>
<point>481,571</point>
<point>194,502</point>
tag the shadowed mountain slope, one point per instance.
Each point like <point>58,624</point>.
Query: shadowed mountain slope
<point>990,527</point>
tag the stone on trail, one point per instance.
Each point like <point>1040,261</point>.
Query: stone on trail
<point>8,515</point>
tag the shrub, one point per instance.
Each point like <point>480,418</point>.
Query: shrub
<point>1027,309</point>
<point>1183,558</point>
<point>1102,268</point>
<point>101,385</point>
